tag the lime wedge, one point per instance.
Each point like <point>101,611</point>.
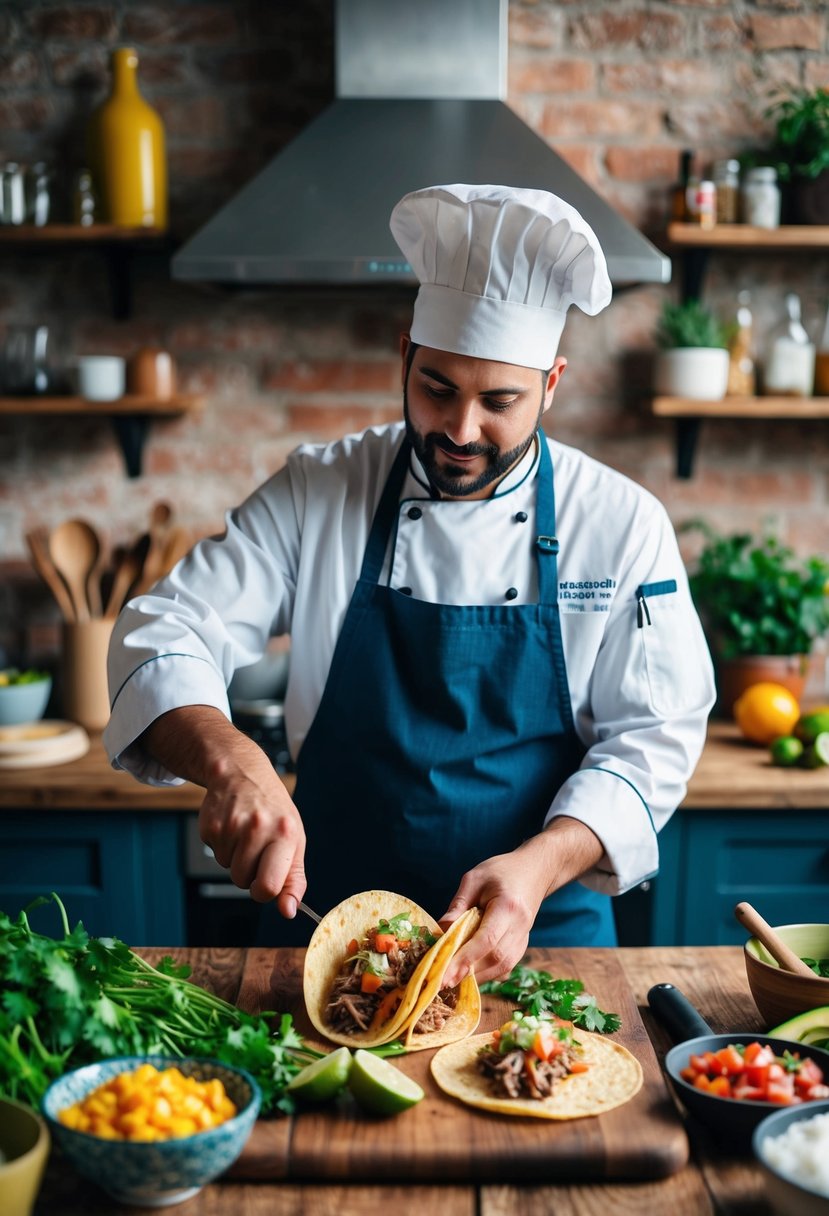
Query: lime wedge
<point>323,1078</point>
<point>379,1087</point>
<point>786,750</point>
<point>816,754</point>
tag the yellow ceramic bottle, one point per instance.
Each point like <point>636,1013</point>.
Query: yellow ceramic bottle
<point>127,151</point>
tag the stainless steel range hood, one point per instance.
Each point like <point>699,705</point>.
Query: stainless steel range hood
<point>420,88</point>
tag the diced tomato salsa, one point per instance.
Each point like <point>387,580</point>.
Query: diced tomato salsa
<point>755,1074</point>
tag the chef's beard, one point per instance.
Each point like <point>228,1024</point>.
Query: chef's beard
<point>441,477</point>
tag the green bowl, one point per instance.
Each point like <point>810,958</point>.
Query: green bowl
<point>24,1149</point>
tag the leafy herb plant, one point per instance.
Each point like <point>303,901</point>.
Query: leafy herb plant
<point>538,992</point>
<point>755,597</point>
<point>801,143</point>
<point>689,323</point>
<point>71,1000</point>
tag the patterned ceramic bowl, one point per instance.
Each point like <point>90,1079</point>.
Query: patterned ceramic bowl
<point>162,1172</point>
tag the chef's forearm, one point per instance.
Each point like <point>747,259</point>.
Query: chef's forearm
<point>566,849</point>
<point>198,743</point>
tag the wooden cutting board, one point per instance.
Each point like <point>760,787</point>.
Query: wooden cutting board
<point>443,1140</point>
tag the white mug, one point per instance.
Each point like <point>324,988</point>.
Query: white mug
<point>101,377</point>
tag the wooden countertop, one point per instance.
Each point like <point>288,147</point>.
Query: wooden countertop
<point>712,977</point>
<point>731,774</point>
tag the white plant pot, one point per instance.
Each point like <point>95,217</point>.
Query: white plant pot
<point>700,372</point>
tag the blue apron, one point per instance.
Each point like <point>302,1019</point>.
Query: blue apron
<point>442,736</point>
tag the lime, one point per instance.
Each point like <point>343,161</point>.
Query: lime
<point>816,754</point>
<point>323,1078</point>
<point>812,724</point>
<point>379,1087</point>
<point>786,750</point>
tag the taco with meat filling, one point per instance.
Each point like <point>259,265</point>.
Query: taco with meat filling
<point>374,969</point>
<point>541,1067</point>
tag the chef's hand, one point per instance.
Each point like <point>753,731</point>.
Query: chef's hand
<point>247,817</point>
<point>509,890</point>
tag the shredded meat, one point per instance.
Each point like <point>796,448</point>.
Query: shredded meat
<point>349,1010</point>
<point>508,1076</point>
<point>435,1016</point>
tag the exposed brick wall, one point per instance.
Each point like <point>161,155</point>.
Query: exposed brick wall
<point>617,88</point>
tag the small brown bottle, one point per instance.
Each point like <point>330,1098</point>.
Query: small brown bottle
<point>679,192</point>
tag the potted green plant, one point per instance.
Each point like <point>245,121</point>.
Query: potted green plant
<point>800,152</point>
<point>693,352</point>
<point>762,609</point>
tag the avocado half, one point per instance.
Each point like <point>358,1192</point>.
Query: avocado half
<point>811,1027</point>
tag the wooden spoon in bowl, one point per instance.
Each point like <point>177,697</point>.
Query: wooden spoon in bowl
<point>777,948</point>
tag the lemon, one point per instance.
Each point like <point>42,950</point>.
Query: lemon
<point>816,754</point>
<point>786,751</point>
<point>379,1087</point>
<point>765,711</point>
<point>323,1078</point>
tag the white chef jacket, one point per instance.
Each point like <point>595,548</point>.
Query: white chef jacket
<point>640,676</point>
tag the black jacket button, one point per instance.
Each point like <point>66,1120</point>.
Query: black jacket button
<point>405,590</point>
<point>415,512</point>
<point>520,517</point>
<point>511,593</point>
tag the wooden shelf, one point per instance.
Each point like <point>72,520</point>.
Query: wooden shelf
<point>179,404</point>
<point>777,408</point>
<point>745,237</point>
<point>117,246</point>
<point>130,416</point>
<point>31,234</point>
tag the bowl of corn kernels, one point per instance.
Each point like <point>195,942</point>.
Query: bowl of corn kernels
<point>151,1130</point>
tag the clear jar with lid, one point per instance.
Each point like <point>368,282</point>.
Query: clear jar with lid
<point>726,175</point>
<point>761,198</point>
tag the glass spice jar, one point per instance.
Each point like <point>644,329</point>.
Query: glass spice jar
<point>761,198</point>
<point>726,175</point>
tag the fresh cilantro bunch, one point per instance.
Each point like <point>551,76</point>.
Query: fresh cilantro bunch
<point>538,992</point>
<point>75,999</point>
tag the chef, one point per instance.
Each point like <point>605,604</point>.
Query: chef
<point>499,686</point>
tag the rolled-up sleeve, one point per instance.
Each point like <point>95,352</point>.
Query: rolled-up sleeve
<point>643,714</point>
<point>180,644</point>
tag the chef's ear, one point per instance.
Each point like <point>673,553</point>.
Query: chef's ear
<point>553,376</point>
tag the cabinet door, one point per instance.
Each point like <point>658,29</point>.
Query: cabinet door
<point>777,861</point>
<point>119,873</point>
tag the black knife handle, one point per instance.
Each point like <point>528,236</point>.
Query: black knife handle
<point>676,1013</point>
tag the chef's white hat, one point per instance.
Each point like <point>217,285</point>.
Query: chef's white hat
<point>498,268</point>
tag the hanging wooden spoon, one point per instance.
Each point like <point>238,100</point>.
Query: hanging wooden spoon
<point>74,548</point>
<point>38,543</point>
<point>777,948</point>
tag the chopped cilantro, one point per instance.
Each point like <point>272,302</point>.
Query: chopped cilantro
<point>538,992</point>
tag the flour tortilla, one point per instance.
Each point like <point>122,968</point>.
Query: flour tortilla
<point>464,1021</point>
<point>613,1078</point>
<point>324,959</point>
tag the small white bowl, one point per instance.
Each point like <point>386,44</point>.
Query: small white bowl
<point>788,1196</point>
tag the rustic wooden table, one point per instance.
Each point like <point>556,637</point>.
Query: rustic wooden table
<point>714,1182</point>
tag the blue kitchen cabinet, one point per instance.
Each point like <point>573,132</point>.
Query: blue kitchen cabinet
<point>120,872</point>
<point>777,860</point>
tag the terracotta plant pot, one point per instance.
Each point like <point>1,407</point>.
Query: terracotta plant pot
<point>734,676</point>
